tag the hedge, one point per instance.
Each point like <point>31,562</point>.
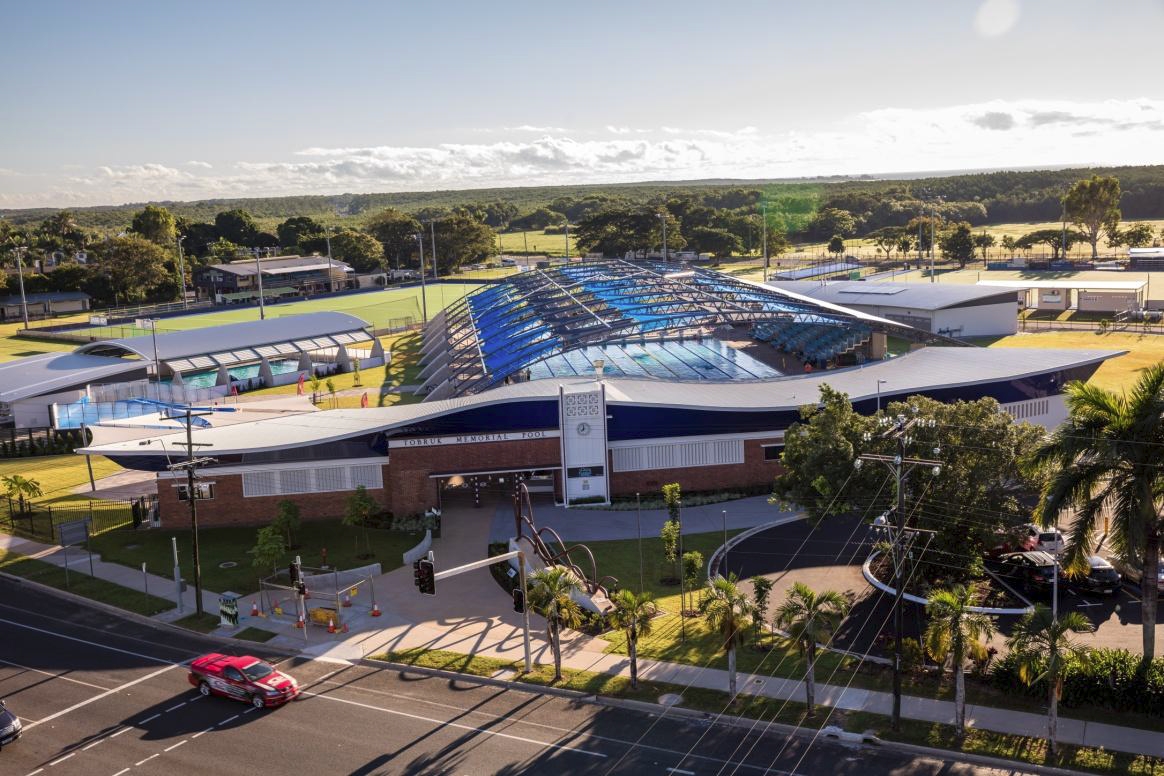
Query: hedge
<point>1112,678</point>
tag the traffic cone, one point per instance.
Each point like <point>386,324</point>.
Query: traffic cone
<point>299,622</point>
<point>375,610</point>
<point>345,628</point>
<point>347,601</point>
<point>330,625</point>
<point>254,608</point>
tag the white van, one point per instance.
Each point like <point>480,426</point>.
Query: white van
<point>509,262</point>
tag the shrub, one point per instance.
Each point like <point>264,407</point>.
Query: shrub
<point>1113,679</point>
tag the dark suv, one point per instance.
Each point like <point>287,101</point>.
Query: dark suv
<point>1033,570</point>
<point>1101,577</point>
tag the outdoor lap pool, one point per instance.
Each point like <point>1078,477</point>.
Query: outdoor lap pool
<point>209,378</point>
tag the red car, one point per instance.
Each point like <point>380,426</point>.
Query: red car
<point>242,678</point>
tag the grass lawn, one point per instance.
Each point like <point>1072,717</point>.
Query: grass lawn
<point>380,308</point>
<point>537,241</point>
<point>404,370</point>
<point>58,474</point>
<point>230,545</point>
<point>1144,350</point>
<point>1014,747</point>
<point>202,623</point>
<point>254,634</point>
<point>82,584</point>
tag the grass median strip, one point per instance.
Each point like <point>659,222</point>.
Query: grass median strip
<point>202,623</point>
<point>81,584</point>
<point>1022,749</point>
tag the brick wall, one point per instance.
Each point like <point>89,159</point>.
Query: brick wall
<point>753,471</point>
<point>230,507</point>
<point>412,490</point>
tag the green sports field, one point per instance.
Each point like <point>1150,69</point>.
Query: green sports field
<point>382,309</point>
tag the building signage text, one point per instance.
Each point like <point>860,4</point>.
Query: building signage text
<point>470,439</point>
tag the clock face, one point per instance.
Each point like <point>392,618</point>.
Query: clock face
<point>583,428</point>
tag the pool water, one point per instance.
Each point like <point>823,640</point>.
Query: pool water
<point>209,378</point>
<point>695,359</point>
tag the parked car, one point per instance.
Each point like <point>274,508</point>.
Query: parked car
<point>1033,570</point>
<point>242,678</point>
<point>1101,577</point>
<point>1133,572</point>
<point>1045,539</point>
<point>10,725</point>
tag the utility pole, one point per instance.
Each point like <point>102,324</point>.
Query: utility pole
<point>190,465</point>
<point>432,234</point>
<point>423,295</point>
<point>182,271</point>
<point>567,256</point>
<point>901,466</point>
<point>933,238</point>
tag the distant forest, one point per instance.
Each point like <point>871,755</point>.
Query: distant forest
<point>977,198</point>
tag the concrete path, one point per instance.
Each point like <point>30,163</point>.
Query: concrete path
<point>125,485</point>
<point>472,615</point>
<point>78,561</point>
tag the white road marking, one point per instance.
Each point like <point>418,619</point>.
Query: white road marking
<point>202,732</point>
<point>55,676</point>
<point>90,643</point>
<point>227,720</point>
<point>443,723</point>
<point>62,759</point>
<point>178,706</point>
<point>248,711</point>
<point>119,732</point>
<point>123,770</point>
<point>680,770</point>
<point>149,719</point>
<point>33,773</point>
<point>175,746</point>
<point>146,760</point>
<point>90,746</point>
<point>98,697</point>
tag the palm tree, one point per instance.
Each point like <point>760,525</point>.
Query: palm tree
<point>811,618</point>
<point>956,632</point>
<point>1110,453</point>
<point>20,487</point>
<point>632,613</point>
<point>729,612</point>
<point>551,595</point>
<point>761,590</point>
<point>1043,648</point>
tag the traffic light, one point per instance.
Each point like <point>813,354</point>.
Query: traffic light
<point>518,600</point>
<point>425,576</point>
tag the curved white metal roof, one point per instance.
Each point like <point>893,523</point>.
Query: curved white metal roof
<point>930,368</point>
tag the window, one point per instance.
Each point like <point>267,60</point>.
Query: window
<point>203,491</point>
<point>678,455</point>
<point>232,673</point>
<point>323,479</point>
<point>772,452</point>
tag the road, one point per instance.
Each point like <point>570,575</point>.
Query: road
<point>107,697</point>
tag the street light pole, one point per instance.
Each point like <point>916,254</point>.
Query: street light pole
<point>262,300</point>
<point>182,271</point>
<point>20,274</point>
<point>432,233</point>
<point>764,235</point>
<point>663,218</point>
<point>639,528</point>
<point>191,464</point>
<point>423,295</point>
<point>330,277</point>
<point>725,547</point>
<point>879,382</point>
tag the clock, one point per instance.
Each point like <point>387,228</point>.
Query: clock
<point>583,429</point>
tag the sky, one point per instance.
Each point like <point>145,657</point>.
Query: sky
<point>125,101</point>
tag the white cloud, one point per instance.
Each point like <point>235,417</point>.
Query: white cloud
<point>201,165</point>
<point>985,135</point>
